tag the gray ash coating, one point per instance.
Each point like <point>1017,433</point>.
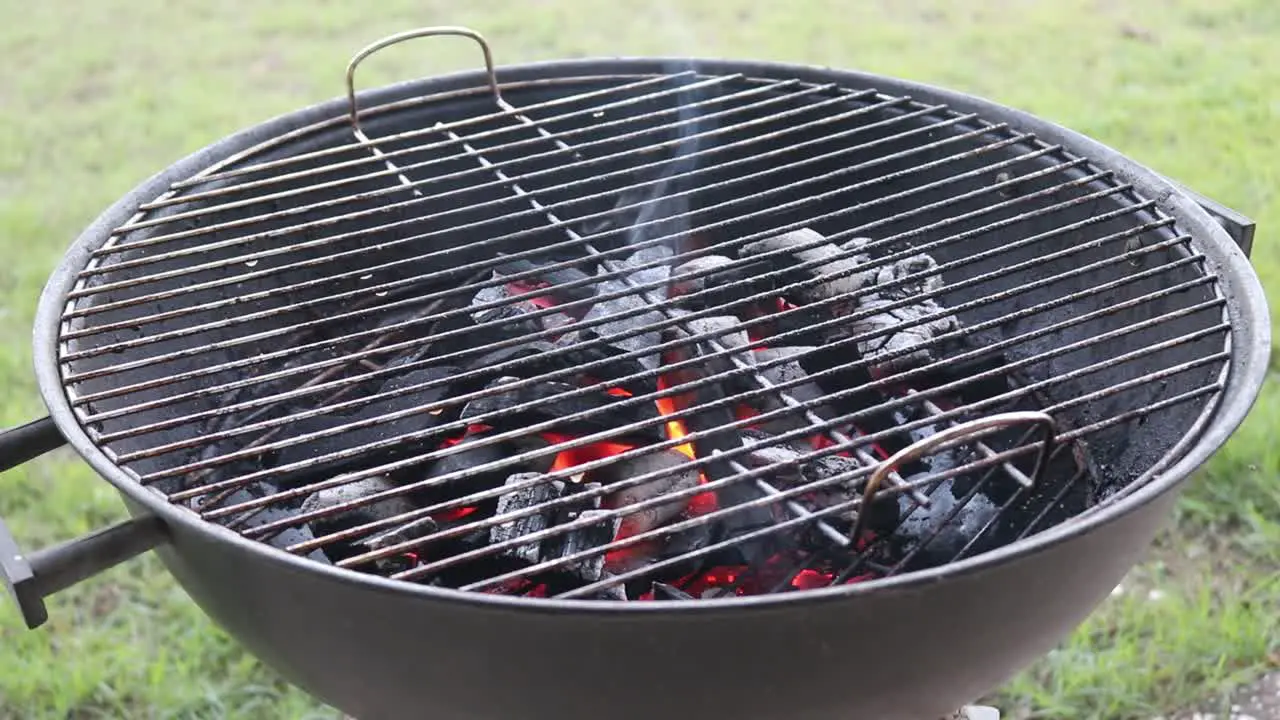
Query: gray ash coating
<point>944,535</point>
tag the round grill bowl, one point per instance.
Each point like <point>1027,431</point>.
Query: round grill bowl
<point>915,645</point>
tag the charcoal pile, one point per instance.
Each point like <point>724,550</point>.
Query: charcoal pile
<point>463,451</point>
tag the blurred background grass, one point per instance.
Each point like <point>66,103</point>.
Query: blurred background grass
<point>96,96</point>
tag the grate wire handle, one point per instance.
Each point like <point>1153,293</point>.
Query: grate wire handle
<point>390,40</point>
<point>958,434</point>
<point>353,106</point>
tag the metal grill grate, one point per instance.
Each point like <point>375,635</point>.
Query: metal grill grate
<point>364,283</point>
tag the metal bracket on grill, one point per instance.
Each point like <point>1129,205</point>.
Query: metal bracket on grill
<point>354,109</point>
<point>410,35</point>
<point>965,431</point>
<point>1238,226</point>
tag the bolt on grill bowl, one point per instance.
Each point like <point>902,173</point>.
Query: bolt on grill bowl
<point>576,378</point>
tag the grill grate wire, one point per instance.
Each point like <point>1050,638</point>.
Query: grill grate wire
<point>332,384</point>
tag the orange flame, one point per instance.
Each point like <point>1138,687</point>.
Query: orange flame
<point>675,429</point>
<point>669,405</point>
<point>705,502</point>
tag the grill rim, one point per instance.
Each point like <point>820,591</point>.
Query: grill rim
<point>1246,308</point>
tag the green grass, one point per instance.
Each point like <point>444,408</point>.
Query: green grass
<point>96,96</point>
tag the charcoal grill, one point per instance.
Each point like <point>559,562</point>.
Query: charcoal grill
<point>537,391</point>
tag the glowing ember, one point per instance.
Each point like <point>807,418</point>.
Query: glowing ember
<point>716,578</point>
<point>470,431</point>
<point>519,288</point>
<point>584,454</point>
<point>453,514</point>
<point>614,391</point>
<point>702,503</point>
<point>631,556</point>
<point>809,579</point>
<point>740,580</point>
<point>822,440</point>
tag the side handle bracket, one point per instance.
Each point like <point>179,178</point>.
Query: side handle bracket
<point>1239,227</point>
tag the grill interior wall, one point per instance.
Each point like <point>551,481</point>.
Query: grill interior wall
<point>1112,449</point>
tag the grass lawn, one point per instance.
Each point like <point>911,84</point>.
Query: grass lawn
<point>95,96</point>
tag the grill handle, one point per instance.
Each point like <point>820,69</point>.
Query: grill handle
<point>28,442</point>
<point>32,577</point>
